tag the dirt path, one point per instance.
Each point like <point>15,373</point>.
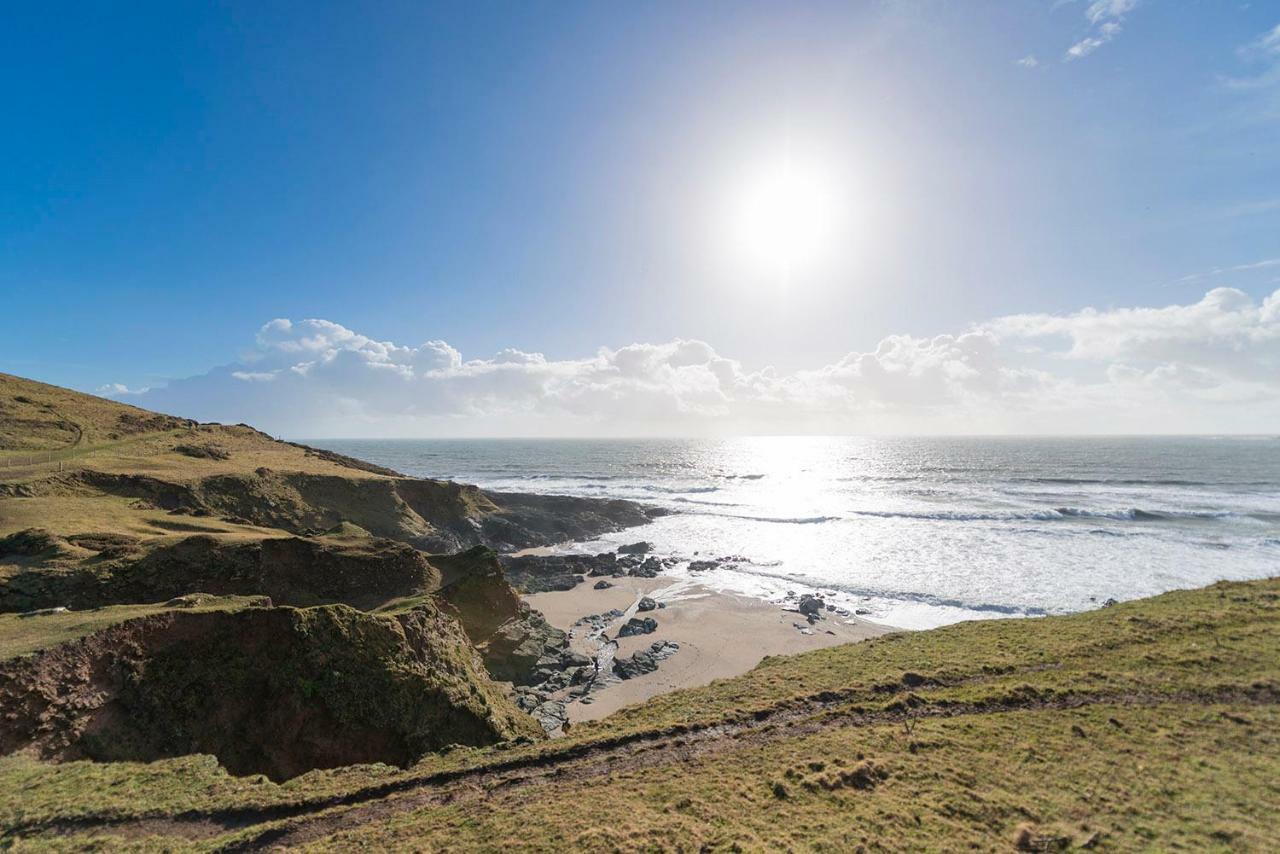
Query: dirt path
<point>317,819</point>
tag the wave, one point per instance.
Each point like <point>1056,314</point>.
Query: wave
<point>1133,514</point>
<point>796,520</point>
<point>706,503</point>
<point>1055,514</point>
<point>898,595</point>
<point>678,490</point>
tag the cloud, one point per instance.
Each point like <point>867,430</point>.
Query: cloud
<point>1106,19</point>
<point>1028,61</point>
<point>119,390</point>
<point>1263,54</point>
<point>1212,364</point>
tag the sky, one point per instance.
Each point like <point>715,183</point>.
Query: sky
<point>537,218</point>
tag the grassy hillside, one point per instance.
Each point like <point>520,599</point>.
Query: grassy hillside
<point>1147,725</point>
<point>42,425</point>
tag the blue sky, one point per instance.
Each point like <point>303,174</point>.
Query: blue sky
<point>552,178</point>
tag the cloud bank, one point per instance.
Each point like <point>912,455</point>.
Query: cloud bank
<point>1208,366</point>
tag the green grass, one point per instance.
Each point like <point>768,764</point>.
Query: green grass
<point>22,635</point>
<point>1173,745</point>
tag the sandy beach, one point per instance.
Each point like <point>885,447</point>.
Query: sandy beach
<point>720,634</point>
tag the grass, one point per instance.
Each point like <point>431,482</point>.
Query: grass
<point>1151,724</point>
<point>52,424</point>
<point>22,635</point>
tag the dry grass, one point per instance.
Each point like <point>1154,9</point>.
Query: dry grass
<point>1150,724</point>
<point>24,634</point>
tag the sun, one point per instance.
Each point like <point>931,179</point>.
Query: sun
<point>784,218</point>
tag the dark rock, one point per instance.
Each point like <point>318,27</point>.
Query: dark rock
<point>649,569</point>
<point>646,604</point>
<point>635,549</point>
<point>638,626</point>
<point>702,565</point>
<point>576,659</point>
<point>645,661</point>
<point>602,585</point>
<point>811,605</point>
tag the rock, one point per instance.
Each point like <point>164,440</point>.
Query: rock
<point>1109,603</point>
<point>646,604</point>
<point>550,715</point>
<point>645,661</point>
<point>542,573</point>
<point>913,680</point>
<point>811,605</point>
<point>649,569</point>
<point>602,585</point>
<point>639,548</point>
<point>702,565</point>
<point>861,612</point>
<point>831,607</point>
<point>576,659</point>
<point>44,612</point>
<point>638,626</point>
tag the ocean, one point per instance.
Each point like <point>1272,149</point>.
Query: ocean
<point>916,532</point>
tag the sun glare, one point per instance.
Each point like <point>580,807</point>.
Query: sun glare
<point>785,219</point>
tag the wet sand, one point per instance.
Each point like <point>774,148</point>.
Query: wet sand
<point>720,634</point>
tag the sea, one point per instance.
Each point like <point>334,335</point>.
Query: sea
<point>914,532</point>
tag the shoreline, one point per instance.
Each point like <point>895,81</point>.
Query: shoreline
<point>719,634</point>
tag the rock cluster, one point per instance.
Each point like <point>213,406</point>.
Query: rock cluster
<point>638,626</point>
<point>644,661</point>
<point>541,573</point>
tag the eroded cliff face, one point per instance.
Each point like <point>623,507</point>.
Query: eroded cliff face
<point>276,691</point>
<point>89,572</point>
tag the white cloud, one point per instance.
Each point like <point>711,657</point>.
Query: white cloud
<point>119,390</point>
<point>1213,364</point>
<point>1106,18</point>
<point>1028,61</point>
<point>1263,53</point>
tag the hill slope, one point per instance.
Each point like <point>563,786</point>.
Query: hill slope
<point>175,546</point>
<point>1151,724</point>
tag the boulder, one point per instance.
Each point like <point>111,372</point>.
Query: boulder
<point>645,661</point>
<point>649,569</point>
<point>602,585</point>
<point>811,605</point>
<point>638,626</point>
<point>640,548</point>
<point>646,604</point>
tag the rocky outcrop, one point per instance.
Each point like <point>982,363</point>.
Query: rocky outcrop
<point>276,691</point>
<point>644,661</point>
<point>638,626</point>
<point>360,571</point>
<point>518,645</point>
<point>541,573</point>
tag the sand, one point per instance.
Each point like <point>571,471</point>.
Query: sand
<point>720,634</point>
